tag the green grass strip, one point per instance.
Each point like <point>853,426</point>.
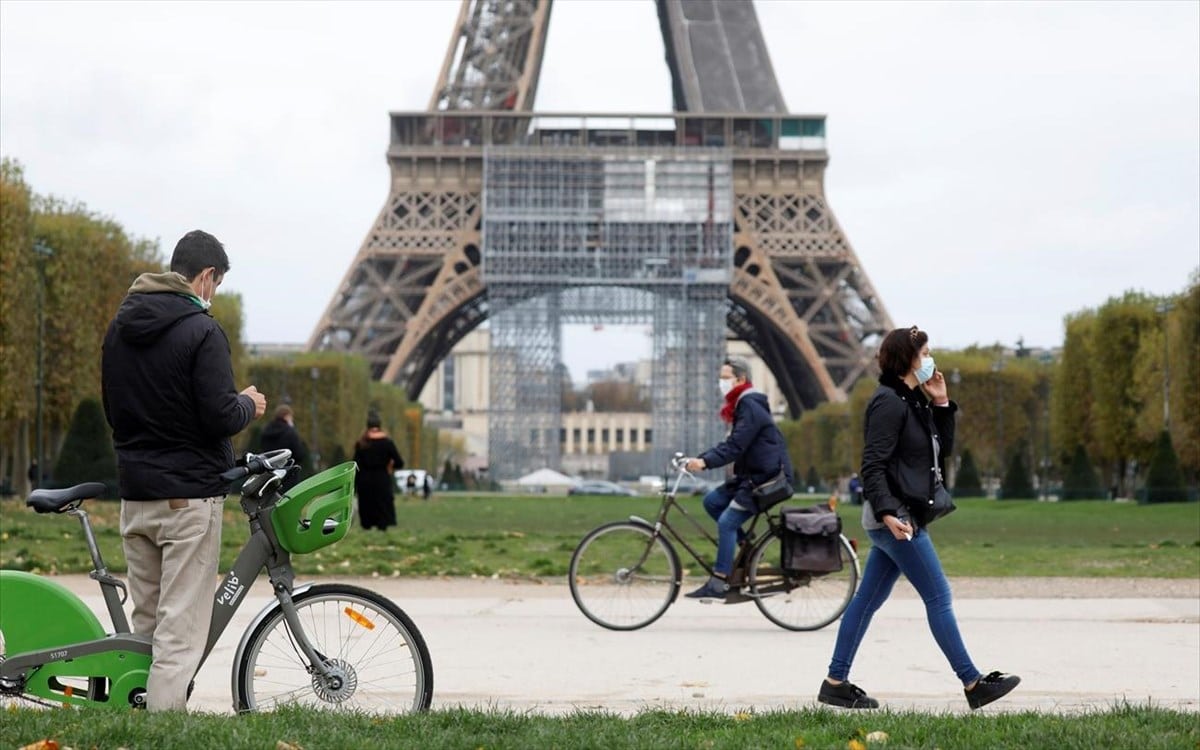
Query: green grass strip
<point>524,536</point>
<point>1122,726</point>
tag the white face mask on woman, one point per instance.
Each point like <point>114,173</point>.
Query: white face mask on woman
<point>726,385</point>
<point>925,371</point>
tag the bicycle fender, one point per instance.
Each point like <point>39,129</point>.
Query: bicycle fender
<point>642,521</point>
<point>241,649</point>
<point>37,613</point>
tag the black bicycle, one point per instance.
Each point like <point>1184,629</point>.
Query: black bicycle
<point>624,575</point>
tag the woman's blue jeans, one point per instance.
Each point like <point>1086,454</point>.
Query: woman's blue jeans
<point>919,563</point>
<point>729,523</point>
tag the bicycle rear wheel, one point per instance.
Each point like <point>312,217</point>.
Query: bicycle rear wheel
<point>798,600</point>
<point>377,653</point>
<point>623,576</point>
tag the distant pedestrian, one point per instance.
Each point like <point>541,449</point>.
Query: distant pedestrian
<point>909,431</point>
<point>426,487</point>
<point>855,490</point>
<point>281,432</point>
<point>377,459</point>
<point>33,474</point>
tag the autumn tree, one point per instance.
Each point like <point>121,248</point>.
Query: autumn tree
<point>18,322</point>
<point>89,267</point>
<point>1116,338</point>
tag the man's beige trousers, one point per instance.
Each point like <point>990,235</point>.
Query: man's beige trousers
<point>172,548</point>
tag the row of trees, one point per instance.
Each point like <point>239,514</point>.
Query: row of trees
<point>77,286</point>
<point>92,263</point>
<point>331,395</point>
<point>1091,419</point>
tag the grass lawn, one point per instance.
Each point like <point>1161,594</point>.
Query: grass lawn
<point>1144,728</point>
<point>525,536</point>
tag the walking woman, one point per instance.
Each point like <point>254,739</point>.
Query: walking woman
<point>908,434</point>
<point>377,458</point>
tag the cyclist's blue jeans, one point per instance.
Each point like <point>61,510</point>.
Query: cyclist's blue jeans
<point>729,523</point>
<point>919,563</point>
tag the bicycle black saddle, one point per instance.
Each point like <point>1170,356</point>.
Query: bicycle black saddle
<point>53,501</point>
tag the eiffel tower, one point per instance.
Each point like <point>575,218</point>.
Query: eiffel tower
<point>713,212</point>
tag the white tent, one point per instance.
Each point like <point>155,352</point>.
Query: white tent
<point>545,478</point>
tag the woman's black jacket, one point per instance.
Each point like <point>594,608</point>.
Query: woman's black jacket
<point>897,460</point>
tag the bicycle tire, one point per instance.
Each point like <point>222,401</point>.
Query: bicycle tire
<point>797,600</point>
<point>612,588</point>
<point>357,629</point>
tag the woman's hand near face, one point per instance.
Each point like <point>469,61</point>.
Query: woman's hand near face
<point>935,388</point>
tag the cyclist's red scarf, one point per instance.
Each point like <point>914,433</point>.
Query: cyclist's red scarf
<point>731,400</point>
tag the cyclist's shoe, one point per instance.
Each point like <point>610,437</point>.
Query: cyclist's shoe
<point>714,588</point>
<point>845,695</point>
<point>991,687</point>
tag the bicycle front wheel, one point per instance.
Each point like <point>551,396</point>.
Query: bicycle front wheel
<point>623,576</point>
<point>379,661</point>
<point>800,600</point>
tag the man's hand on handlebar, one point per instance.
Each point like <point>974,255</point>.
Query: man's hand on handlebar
<point>695,464</point>
<point>260,401</point>
<point>258,464</point>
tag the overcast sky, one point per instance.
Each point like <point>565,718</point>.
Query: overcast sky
<point>995,165</point>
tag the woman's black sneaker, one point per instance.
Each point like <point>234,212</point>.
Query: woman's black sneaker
<point>845,695</point>
<point>991,687</point>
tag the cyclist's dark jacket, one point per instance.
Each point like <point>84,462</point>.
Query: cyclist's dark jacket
<point>755,446</point>
<point>167,383</point>
<point>897,445</point>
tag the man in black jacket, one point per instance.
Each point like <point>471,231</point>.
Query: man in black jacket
<point>167,383</point>
<point>281,433</point>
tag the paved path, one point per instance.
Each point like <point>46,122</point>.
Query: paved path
<point>1077,646</point>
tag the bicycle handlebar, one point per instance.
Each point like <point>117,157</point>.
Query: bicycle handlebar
<point>258,464</point>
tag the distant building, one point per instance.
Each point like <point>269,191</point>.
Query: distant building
<point>456,400</point>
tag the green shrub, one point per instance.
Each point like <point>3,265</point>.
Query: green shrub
<point>813,479</point>
<point>87,453</point>
<point>1080,482</point>
<point>1164,480</point>
<point>1017,484</point>
<point>966,481</point>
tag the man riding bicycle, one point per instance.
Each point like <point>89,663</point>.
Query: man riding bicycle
<point>757,450</point>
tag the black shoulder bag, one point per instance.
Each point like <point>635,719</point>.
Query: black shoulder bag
<point>772,492</point>
<point>941,504</point>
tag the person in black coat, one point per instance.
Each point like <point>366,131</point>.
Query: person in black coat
<point>168,388</point>
<point>757,450</point>
<point>281,433</point>
<point>377,457</point>
<point>908,432</point>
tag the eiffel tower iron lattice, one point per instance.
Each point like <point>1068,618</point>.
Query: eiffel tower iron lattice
<point>792,287</point>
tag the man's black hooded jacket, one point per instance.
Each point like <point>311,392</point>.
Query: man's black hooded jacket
<point>169,396</point>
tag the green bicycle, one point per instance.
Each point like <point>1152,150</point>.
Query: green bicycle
<point>328,645</point>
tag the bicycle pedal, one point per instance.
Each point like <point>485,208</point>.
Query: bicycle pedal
<point>737,597</point>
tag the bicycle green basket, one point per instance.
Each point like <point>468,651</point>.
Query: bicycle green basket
<point>316,512</point>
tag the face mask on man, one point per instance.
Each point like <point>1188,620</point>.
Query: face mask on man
<point>925,371</point>
<point>726,385</point>
<point>205,304</point>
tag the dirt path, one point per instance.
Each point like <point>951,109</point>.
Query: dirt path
<point>963,588</point>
